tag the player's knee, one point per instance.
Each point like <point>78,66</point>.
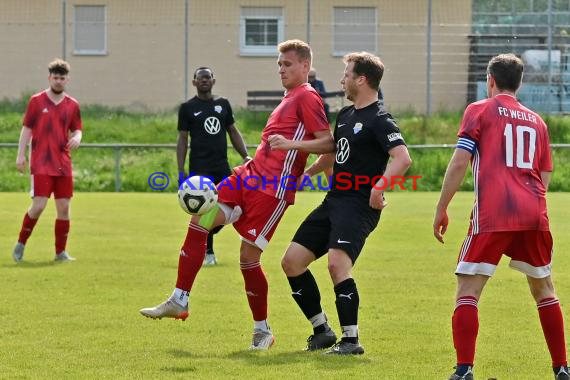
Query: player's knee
<point>337,271</point>
<point>541,288</point>
<point>289,265</point>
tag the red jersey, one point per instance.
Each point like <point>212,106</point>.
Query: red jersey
<point>510,148</point>
<point>300,114</point>
<point>50,125</point>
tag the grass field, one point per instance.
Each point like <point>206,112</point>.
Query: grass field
<point>81,320</point>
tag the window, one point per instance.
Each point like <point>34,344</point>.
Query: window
<point>354,29</point>
<point>261,30</point>
<point>90,30</point>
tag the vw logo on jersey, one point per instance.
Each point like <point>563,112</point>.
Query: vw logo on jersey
<point>218,109</point>
<point>212,125</point>
<point>342,151</point>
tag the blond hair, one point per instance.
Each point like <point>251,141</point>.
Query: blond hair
<point>302,49</point>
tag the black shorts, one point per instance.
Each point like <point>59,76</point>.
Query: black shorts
<point>339,222</point>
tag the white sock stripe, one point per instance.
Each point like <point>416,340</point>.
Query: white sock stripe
<point>466,302</point>
<point>198,228</point>
<point>547,303</point>
<point>249,265</point>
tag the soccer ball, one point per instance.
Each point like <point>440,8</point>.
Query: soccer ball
<point>197,195</point>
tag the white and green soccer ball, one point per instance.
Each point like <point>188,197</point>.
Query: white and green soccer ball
<point>197,195</point>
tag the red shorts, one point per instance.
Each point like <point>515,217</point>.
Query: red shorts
<point>530,252</point>
<point>261,212</point>
<point>43,185</point>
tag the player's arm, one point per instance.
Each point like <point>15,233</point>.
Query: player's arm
<point>324,163</point>
<point>238,143</point>
<point>75,139</point>
<point>181,151</point>
<point>453,177</point>
<point>25,137</point>
<point>399,164</point>
<point>322,143</point>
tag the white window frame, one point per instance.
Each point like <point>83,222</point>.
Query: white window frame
<point>75,25</point>
<point>339,53</point>
<point>256,50</point>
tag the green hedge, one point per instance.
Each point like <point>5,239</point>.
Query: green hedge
<point>95,168</point>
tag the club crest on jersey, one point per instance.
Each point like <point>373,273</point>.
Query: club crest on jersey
<point>212,125</point>
<point>218,109</point>
<point>357,128</point>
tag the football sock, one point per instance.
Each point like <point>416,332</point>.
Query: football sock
<point>27,228</point>
<point>180,297</point>
<point>347,301</point>
<point>553,327</point>
<point>256,288</point>
<point>261,325</point>
<point>191,256</point>
<point>463,370</point>
<point>61,230</point>
<point>210,244</point>
<point>305,292</point>
<point>319,323</point>
<point>465,326</point>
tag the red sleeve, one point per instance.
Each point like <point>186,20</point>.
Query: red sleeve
<point>31,113</point>
<point>470,125</point>
<point>76,124</point>
<point>312,112</point>
<point>545,159</point>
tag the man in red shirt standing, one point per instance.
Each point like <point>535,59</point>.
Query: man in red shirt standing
<point>53,125</point>
<point>509,150</point>
<point>255,198</point>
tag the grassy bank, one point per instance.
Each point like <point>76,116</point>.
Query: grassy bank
<point>95,168</point>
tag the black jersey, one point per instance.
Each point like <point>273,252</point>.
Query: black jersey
<point>207,122</point>
<point>363,138</point>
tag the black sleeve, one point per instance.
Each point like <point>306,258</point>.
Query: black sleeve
<point>388,134</point>
<point>182,119</point>
<point>230,115</point>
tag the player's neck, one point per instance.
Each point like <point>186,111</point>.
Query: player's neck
<point>55,97</point>
<point>503,92</point>
<point>364,100</point>
<point>205,95</point>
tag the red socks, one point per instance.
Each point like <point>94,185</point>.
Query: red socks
<point>465,324</point>
<point>553,327</point>
<point>191,256</point>
<point>256,288</point>
<point>61,230</point>
<point>27,228</point>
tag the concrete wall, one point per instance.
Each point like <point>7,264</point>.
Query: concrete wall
<point>144,64</point>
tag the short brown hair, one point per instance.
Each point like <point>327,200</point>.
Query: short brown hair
<point>302,49</point>
<point>367,65</point>
<point>59,66</point>
<point>507,70</point>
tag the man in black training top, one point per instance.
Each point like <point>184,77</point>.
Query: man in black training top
<point>206,118</point>
<point>366,137</point>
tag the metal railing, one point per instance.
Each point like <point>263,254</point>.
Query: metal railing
<point>117,148</point>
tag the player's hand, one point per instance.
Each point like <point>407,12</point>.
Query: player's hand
<point>73,143</point>
<point>440,222</point>
<point>377,200</point>
<point>246,159</point>
<point>278,142</point>
<point>21,164</point>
